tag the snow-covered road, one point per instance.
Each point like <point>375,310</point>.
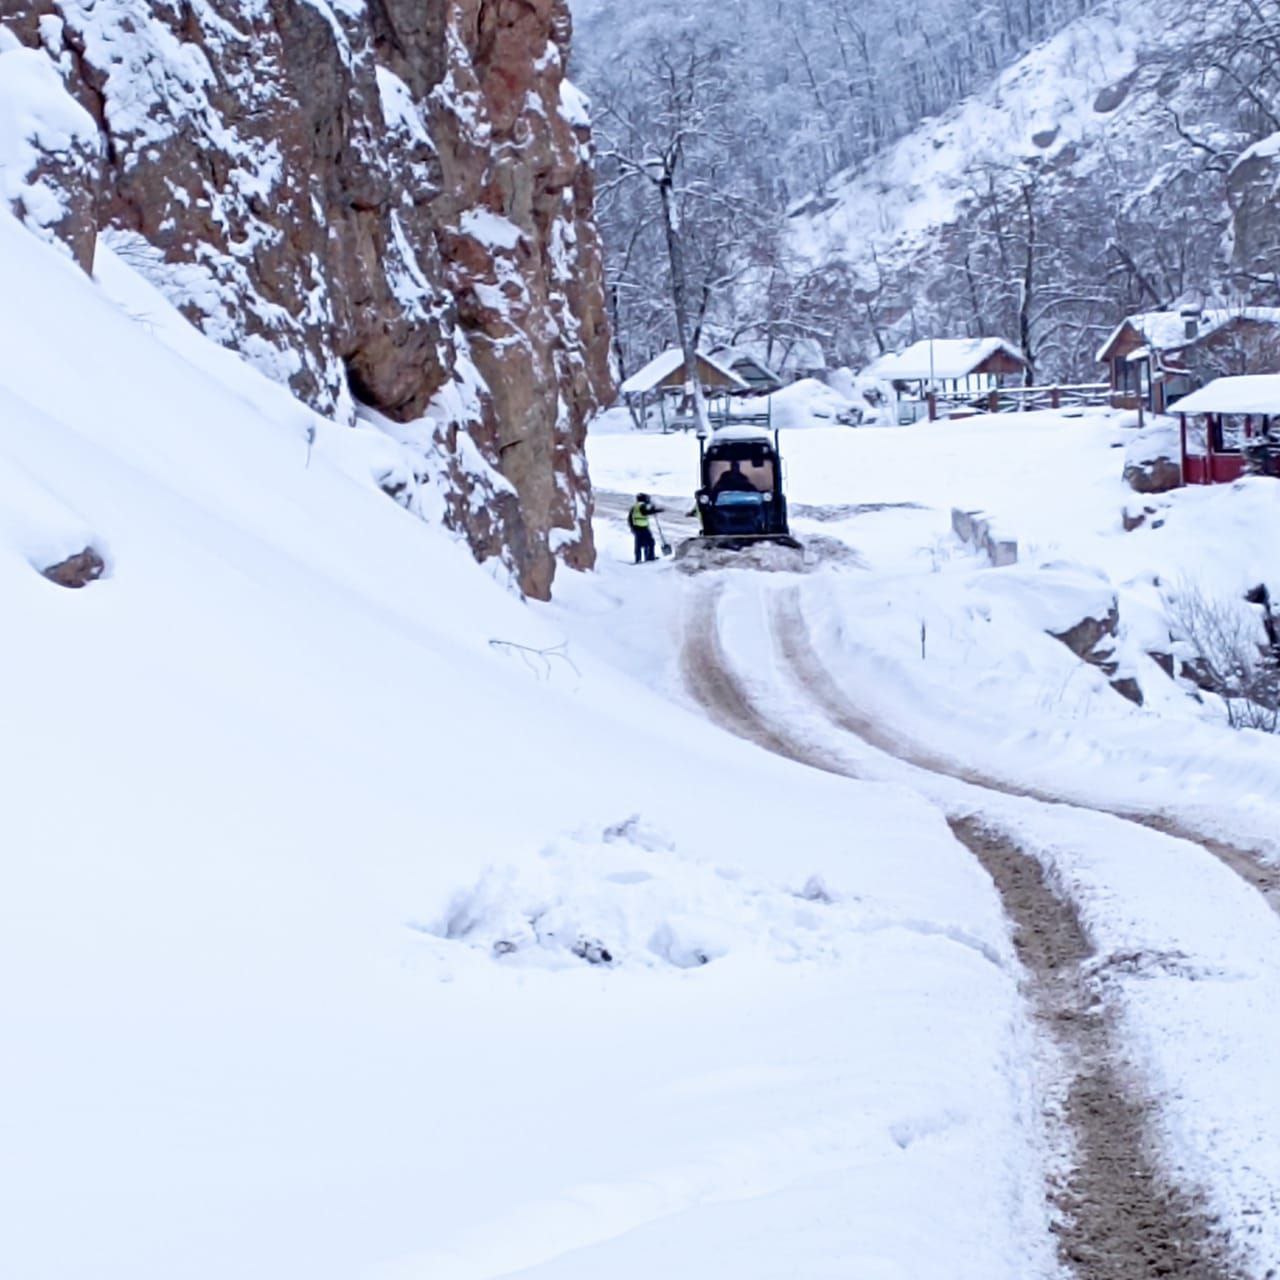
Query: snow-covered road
<point>1142,1184</point>
<point>1138,873</point>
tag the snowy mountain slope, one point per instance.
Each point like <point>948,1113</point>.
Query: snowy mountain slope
<point>304,875</point>
<point>1090,179</point>
<point>1046,107</point>
<point>820,83</point>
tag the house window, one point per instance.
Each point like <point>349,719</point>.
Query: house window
<point>1127,380</point>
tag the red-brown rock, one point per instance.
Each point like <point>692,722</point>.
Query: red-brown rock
<point>78,570</point>
<point>384,203</point>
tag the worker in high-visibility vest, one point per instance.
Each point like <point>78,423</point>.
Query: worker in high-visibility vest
<point>642,527</point>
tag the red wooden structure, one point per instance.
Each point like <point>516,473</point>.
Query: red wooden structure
<point>1238,420</point>
<point>1213,466</point>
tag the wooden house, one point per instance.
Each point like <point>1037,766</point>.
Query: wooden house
<point>1155,357</point>
<point>760,379</point>
<point>1230,426</point>
<point>661,389</point>
<point>963,371</point>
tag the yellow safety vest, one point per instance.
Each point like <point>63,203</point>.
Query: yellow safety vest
<point>639,516</point>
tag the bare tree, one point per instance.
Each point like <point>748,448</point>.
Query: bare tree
<point>669,135</point>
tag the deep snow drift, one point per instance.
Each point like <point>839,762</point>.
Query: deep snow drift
<point>316,837</point>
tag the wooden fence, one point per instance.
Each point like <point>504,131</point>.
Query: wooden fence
<point>1017,399</point>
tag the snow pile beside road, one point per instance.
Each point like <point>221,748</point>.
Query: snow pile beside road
<point>810,403</point>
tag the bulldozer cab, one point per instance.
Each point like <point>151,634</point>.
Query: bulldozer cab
<point>741,497</point>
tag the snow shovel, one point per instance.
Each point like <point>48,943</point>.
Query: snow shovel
<point>662,538</point>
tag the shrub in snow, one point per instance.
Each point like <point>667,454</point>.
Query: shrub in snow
<point>637,904</point>
<point>689,942</point>
<point>636,831</point>
<point>1234,652</point>
<point>592,951</point>
<point>815,890</point>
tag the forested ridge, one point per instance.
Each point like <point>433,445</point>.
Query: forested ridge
<point>1098,162</point>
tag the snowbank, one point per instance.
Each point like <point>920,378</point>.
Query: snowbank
<point>317,840</point>
<point>810,403</point>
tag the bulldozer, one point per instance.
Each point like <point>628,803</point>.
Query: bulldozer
<point>740,501</point>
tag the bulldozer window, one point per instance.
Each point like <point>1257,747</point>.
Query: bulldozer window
<point>746,473</point>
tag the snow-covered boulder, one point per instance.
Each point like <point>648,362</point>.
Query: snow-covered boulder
<point>1153,458</point>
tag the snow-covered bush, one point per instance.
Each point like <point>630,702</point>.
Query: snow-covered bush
<point>1233,652</point>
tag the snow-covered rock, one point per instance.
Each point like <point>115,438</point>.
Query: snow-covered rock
<point>1153,458</point>
<point>380,202</point>
<point>50,154</point>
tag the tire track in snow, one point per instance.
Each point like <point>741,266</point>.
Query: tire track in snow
<point>1247,864</point>
<point>709,677</point>
<point>1120,1217</point>
<point>792,639</point>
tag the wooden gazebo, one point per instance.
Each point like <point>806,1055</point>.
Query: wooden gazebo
<point>666,378</point>
<point>1232,419</point>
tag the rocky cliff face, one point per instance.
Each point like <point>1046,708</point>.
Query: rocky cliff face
<point>383,203</point>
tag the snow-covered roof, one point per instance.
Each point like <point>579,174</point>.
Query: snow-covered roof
<point>741,435</point>
<point>1251,393</point>
<point>661,367</point>
<point>1167,330</point>
<point>944,358</point>
<point>731,357</point>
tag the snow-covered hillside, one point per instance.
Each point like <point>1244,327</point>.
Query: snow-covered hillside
<point>357,925</point>
<point>1057,105</point>
<point>1095,176</point>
